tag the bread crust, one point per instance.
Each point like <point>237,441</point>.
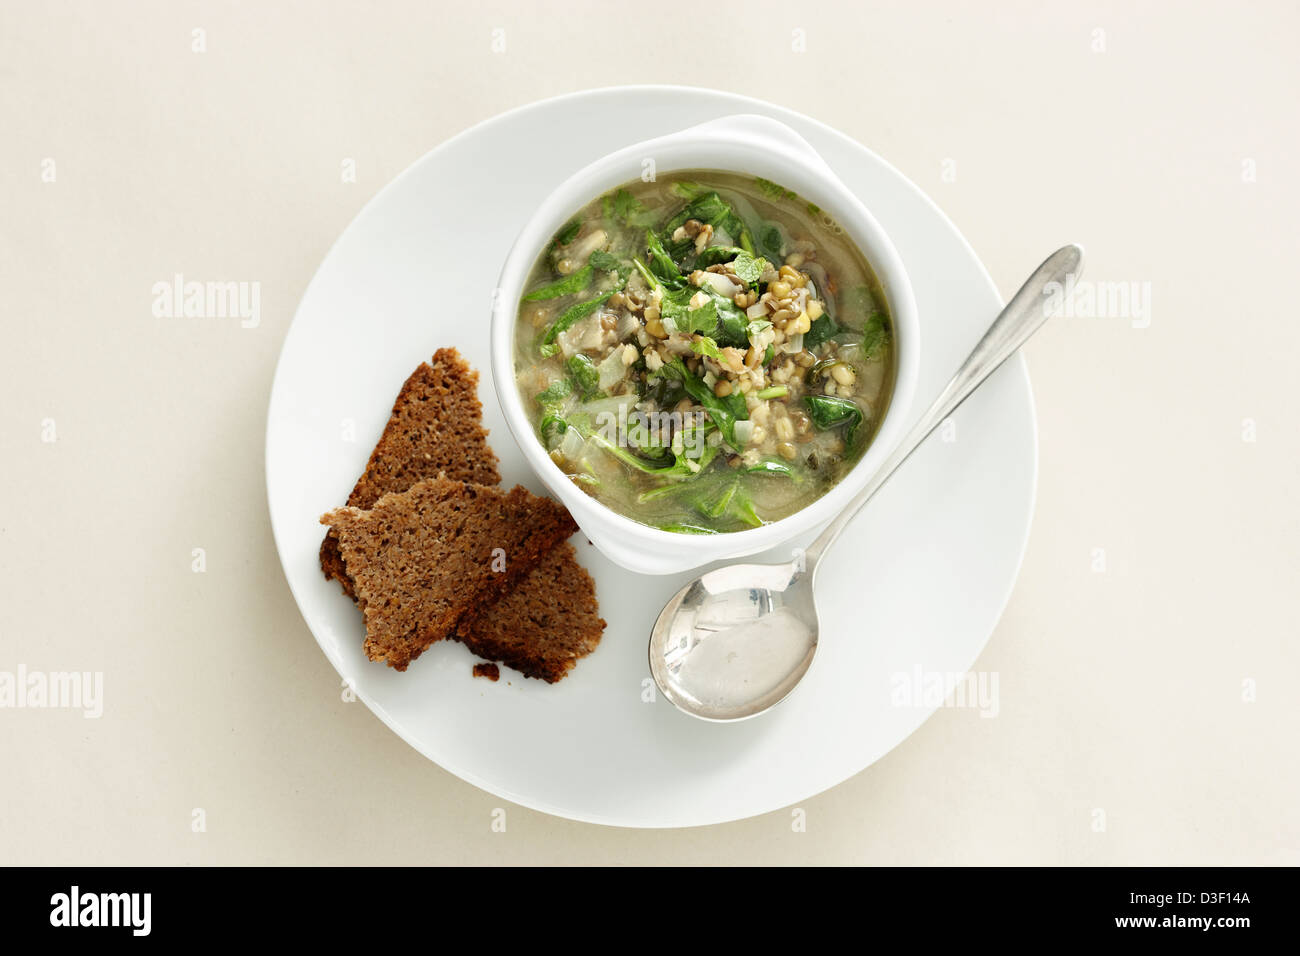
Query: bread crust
<point>544,616</point>
<point>424,560</point>
<point>435,428</point>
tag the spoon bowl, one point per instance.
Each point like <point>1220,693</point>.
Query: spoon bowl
<point>737,640</point>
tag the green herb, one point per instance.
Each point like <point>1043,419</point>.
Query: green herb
<point>603,261</point>
<point>586,379</point>
<point>749,268</point>
<point>626,208</point>
<point>555,392</point>
<point>703,320</point>
<point>769,355</point>
<point>772,191</point>
<point>550,426</point>
<point>706,346</point>
<point>569,232</point>
<point>571,315</point>
<point>773,391</point>
<point>686,190</point>
<point>569,285</point>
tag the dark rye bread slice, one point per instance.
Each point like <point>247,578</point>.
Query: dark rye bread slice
<point>545,624</point>
<point>436,427</point>
<point>424,560</point>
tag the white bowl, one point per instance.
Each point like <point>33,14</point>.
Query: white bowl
<point>751,146</point>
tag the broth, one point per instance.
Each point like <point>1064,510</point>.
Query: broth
<point>704,353</point>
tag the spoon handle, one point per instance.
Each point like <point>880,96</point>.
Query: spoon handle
<point>1022,317</point>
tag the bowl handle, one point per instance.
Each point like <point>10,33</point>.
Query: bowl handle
<point>762,130</point>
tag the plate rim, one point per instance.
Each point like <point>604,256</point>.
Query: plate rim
<point>742,101</point>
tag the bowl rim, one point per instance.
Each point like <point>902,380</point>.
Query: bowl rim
<point>828,191</point>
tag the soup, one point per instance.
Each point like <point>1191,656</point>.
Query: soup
<point>704,353</point>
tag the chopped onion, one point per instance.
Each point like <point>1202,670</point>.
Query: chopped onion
<point>628,325</point>
<point>744,431</point>
<point>756,311</point>
<point>612,370</point>
<point>721,284</point>
<point>584,247</point>
<point>571,445</point>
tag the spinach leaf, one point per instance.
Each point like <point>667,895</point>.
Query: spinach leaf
<point>875,334</point>
<point>712,209</point>
<point>687,529</point>
<point>724,412</point>
<point>823,328</point>
<point>730,500</point>
<point>771,466</point>
<point>662,264</point>
<point>768,241</point>
<point>828,411</point>
<point>732,324</point>
<point>669,465</point>
<point>712,255</point>
<point>718,318</point>
<point>562,287</point>
<point>665,391</point>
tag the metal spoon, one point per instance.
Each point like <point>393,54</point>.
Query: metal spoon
<point>734,642</point>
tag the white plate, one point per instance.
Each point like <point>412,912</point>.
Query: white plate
<point>918,582</point>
